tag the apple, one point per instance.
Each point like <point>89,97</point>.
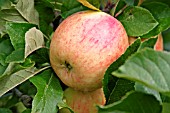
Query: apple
<point>83,102</point>
<point>84,45</point>
<point>159,43</point>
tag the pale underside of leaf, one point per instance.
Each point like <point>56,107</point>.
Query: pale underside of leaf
<point>27,10</point>
<point>9,15</point>
<point>33,41</point>
<point>142,88</point>
<point>9,81</point>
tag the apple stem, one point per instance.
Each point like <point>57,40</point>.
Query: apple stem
<point>108,6</point>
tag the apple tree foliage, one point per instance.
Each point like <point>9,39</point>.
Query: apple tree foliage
<point>137,82</point>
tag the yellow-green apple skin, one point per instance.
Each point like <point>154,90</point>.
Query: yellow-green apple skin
<point>83,102</point>
<point>158,45</point>
<point>84,45</point>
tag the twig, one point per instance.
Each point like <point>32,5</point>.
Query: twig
<point>118,13</point>
<point>25,99</point>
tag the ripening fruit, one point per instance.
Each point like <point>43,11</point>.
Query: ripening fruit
<point>83,102</point>
<point>83,47</point>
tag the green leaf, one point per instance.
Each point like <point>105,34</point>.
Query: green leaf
<point>4,100</point>
<point>163,1</point>
<point>144,89</point>
<point>8,100</point>
<point>46,15</point>
<point>72,11</point>
<point>5,4</point>
<point>2,69</point>
<point>161,13</point>
<point>49,93</point>
<point>5,110</point>
<point>28,63</point>
<point>165,98</point>
<point>115,65</point>
<point>129,2</point>
<point>27,111</point>
<point>88,4</point>
<point>133,102</point>
<point>5,49</point>
<point>122,4</point>
<point>135,17</point>
<point>40,56</point>
<point>27,10</point>
<point>9,15</point>
<point>121,88</point>
<point>166,107</point>
<point>14,67</point>
<point>95,3</point>
<point>148,67</point>
<point>16,56</point>
<point>71,6</point>
<point>33,40</point>
<point>24,88</point>
<point>2,59</point>
<point>20,107</point>
<point>148,43</point>
<point>166,40</point>
<point>17,32</point>
<point>57,4</point>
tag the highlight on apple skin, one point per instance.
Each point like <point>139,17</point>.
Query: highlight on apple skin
<point>84,45</point>
<point>83,102</point>
<point>158,45</point>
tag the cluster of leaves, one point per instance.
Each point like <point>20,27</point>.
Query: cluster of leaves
<point>141,81</point>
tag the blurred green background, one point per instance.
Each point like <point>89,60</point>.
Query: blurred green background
<point>166,39</point>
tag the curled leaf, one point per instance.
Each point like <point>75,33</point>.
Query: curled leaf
<point>27,10</point>
<point>9,81</point>
<point>33,41</point>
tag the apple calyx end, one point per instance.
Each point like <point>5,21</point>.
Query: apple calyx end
<point>68,66</point>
